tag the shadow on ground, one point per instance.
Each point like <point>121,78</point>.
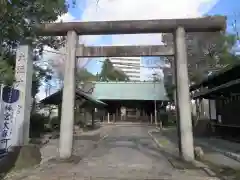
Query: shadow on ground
<point>19,158</point>
<point>91,127</point>
<point>80,149</point>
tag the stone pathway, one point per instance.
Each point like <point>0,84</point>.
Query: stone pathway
<point>128,152</point>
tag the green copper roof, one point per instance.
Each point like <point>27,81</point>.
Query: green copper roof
<point>129,91</point>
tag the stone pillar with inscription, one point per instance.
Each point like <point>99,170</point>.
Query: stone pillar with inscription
<point>23,82</point>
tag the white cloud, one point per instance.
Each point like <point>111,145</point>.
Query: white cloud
<point>107,10</point>
<point>66,18</point>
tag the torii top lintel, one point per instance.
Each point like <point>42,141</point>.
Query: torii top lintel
<point>204,24</point>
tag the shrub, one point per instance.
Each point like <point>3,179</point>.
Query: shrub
<point>37,122</point>
<point>55,123</point>
<point>164,118</point>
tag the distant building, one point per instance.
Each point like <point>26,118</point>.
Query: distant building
<point>129,65</point>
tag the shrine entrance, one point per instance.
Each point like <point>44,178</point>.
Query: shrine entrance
<point>72,30</point>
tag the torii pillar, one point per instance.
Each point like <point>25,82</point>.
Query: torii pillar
<point>68,98</point>
<point>183,99</point>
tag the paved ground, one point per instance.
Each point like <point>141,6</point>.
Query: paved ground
<point>130,153</point>
<point>83,142</point>
<point>208,145</point>
<point>217,149</point>
<point>127,153</point>
<point>217,160</point>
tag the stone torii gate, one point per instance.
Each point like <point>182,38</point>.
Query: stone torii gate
<point>178,27</point>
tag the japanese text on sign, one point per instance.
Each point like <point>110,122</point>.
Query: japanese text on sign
<point>7,125</point>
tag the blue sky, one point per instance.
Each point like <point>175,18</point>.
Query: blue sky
<point>230,8</point>
<point>87,10</point>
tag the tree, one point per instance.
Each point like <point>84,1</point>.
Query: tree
<point>168,82</point>
<point>83,75</point>
<point>18,21</point>
<point>110,73</point>
<point>207,52</point>
<point>57,63</point>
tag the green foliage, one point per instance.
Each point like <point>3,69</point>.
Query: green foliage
<point>168,83</point>
<point>55,123</point>
<point>40,74</point>
<point>37,124</point>
<point>216,52</point>
<point>167,119</point>
<point>119,75</point>
<point>84,75</point>
<point>19,18</point>
<point>109,73</point>
<point>6,73</point>
<point>221,54</point>
<point>207,52</point>
<point>157,79</point>
<point>18,21</point>
<point>170,88</point>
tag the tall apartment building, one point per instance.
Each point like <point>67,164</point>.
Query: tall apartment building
<point>129,65</point>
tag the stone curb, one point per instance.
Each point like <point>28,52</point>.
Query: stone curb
<point>126,124</point>
<point>229,154</point>
<point>196,163</point>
